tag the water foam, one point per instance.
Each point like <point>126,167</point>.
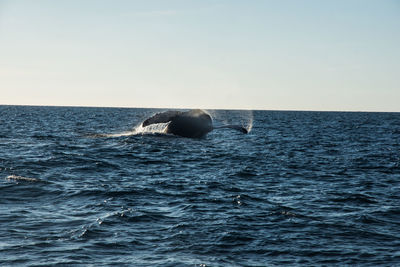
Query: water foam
<point>21,178</point>
<point>158,128</point>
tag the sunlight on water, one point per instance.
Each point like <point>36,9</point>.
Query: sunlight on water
<point>292,192</point>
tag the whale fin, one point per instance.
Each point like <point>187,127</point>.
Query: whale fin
<point>235,127</point>
<point>161,117</point>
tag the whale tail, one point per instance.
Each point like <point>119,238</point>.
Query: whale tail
<point>233,126</point>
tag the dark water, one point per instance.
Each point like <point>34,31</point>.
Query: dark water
<point>303,188</point>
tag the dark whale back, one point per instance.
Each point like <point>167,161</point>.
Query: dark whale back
<point>162,117</point>
<point>194,123</point>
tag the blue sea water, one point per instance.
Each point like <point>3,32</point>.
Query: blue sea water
<point>80,186</point>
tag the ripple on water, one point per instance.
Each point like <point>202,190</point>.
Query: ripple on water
<point>303,188</point>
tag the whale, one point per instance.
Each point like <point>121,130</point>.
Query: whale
<point>195,123</point>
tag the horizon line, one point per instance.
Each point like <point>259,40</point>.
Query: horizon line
<point>210,108</point>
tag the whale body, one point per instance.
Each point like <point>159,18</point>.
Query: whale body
<point>194,123</point>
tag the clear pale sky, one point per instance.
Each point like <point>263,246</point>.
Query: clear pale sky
<point>280,55</point>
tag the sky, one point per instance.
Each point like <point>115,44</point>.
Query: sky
<point>341,55</point>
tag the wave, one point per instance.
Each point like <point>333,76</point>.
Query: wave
<point>21,178</point>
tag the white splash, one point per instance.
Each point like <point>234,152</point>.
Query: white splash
<point>249,126</point>
<point>152,128</point>
<point>21,178</point>
<point>140,130</point>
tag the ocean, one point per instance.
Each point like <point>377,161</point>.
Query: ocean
<point>87,186</point>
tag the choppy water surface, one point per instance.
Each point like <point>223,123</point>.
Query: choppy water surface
<point>79,186</point>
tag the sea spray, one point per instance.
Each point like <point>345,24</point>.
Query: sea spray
<point>237,117</point>
<point>138,130</point>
